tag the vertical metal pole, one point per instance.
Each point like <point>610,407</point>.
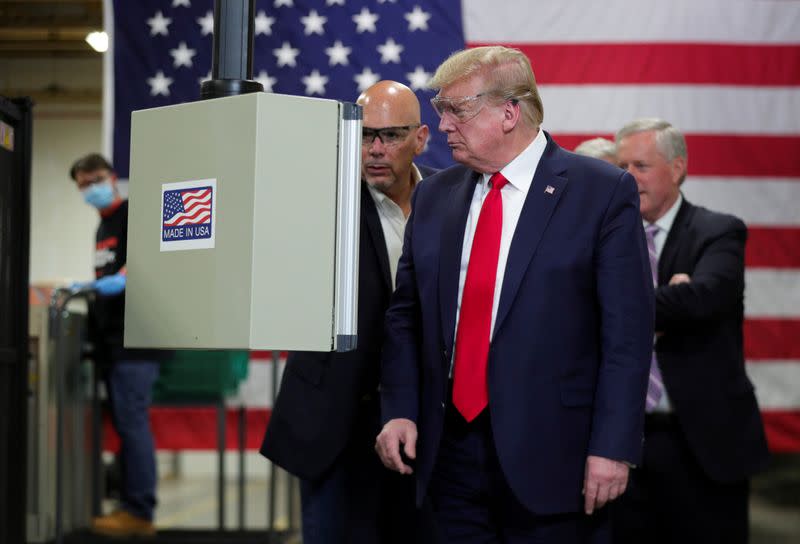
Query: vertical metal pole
<point>242,440</point>
<point>221,464</point>
<point>232,50</point>
<point>97,444</point>
<point>273,469</point>
<point>58,367</point>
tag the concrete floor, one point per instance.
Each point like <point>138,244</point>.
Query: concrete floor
<point>188,498</point>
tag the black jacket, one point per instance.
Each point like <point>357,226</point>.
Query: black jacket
<point>322,394</point>
<point>700,352</point>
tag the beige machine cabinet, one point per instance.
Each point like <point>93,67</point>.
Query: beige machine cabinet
<point>243,224</point>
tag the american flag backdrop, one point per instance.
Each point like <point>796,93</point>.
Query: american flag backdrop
<point>725,72</point>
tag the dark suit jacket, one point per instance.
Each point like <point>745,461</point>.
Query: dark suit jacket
<point>569,360</point>
<point>321,393</point>
<point>700,352</point>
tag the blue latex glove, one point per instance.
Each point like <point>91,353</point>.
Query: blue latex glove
<point>110,285</point>
<point>78,285</point>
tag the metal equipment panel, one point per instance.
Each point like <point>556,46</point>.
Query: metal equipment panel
<point>198,297</point>
<point>294,239</point>
<point>243,224</point>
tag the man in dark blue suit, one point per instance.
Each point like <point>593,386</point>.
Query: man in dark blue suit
<point>518,339</point>
<point>327,413</point>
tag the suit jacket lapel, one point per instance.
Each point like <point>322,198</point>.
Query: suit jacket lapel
<point>370,215</point>
<point>452,240</point>
<point>536,212</point>
<point>666,261</point>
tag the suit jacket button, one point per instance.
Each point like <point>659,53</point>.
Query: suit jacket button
<point>442,406</point>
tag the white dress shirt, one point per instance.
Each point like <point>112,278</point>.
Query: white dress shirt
<point>664,225</point>
<point>519,173</point>
<point>393,222</point>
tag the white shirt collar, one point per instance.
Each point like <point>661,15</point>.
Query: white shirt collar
<point>519,172</point>
<point>664,223</point>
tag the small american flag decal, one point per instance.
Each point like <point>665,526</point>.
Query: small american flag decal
<point>188,215</point>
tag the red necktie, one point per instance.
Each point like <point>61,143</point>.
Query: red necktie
<point>470,392</point>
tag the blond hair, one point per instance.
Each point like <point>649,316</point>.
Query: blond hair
<point>507,70</point>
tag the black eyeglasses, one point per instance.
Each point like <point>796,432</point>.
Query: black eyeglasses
<point>388,135</point>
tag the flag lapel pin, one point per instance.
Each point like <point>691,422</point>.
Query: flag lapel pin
<point>549,189</point>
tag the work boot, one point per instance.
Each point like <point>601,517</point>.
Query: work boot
<point>121,524</point>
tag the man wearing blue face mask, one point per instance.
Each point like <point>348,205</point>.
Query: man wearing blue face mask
<point>129,374</point>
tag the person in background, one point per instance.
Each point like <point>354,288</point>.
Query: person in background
<point>704,436</point>
<point>517,341</point>
<point>599,148</point>
<point>129,374</point>
<point>327,412</point>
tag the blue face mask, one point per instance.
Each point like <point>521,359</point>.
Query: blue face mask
<point>100,195</point>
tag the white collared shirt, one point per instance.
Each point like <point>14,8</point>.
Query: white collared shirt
<point>393,222</point>
<point>519,173</point>
<point>660,238</point>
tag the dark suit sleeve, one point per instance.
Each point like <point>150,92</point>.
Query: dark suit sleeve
<point>717,280</point>
<point>625,295</point>
<point>400,359</point>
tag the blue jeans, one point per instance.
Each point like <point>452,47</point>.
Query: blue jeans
<point>130,388</point>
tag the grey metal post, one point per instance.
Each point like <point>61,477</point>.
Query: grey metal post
<point>232,56</point>
<point>276,356</point>
<point>221,464</point>
<point>242,440</point>
<point>97,445</point>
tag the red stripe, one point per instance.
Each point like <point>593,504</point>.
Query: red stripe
<point>174,222</point>
<point>193,201</point>
<point>783,430</point>
<point>771,339</point>
<point>751,155</point>
<point>264,354</point>
<point>195,429</point>
<point>662,63</point>
<point>773,247</point>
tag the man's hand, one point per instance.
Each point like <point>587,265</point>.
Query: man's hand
<point>605,480</point>
<point>680,278</point>
<point>395,433</point>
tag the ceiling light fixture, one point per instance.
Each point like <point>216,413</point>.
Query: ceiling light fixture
<point>98,41</point>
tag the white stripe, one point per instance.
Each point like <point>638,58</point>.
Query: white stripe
<point>195,194</point>
<point>772,293</point>
<point>769,202</point>
<point>777,384</point>
<point>706,109</point>
<point>714,21</point>
<point>186,216</point>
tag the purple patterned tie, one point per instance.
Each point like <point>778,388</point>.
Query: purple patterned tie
<point>655,385</point>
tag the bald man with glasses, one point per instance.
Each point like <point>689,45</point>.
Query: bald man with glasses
<point>327,413</point>
<point>518,339</point>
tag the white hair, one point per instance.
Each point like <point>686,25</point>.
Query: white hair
<point>599,148</point>
<point>669,140</point>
